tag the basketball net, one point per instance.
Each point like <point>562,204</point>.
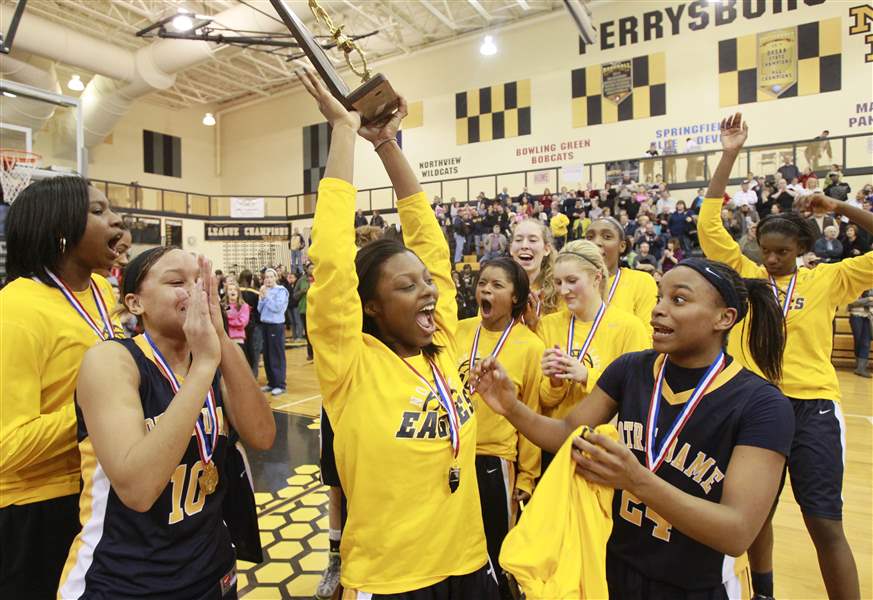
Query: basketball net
<point>16,171</point>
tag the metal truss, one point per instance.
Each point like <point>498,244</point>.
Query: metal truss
<point>235,74</point>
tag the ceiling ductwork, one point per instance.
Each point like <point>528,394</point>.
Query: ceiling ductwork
<point>122,75</point>
<point>24,111</point>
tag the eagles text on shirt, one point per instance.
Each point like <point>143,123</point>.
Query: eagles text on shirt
<point>429,422</point>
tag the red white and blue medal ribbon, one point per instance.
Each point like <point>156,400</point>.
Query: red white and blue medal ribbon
<point>789,293</point>
<point>655,458</point>
<point>104,333</point>
<point>590,338</point>
<point>206,442</point>
<point>444,395</point>
<point>497,348</point>
<point>614,286</point>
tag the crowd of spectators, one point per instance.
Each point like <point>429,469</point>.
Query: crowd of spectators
<point>661,231</point>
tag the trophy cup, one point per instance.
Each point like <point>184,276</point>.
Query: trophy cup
<point>375,99</point>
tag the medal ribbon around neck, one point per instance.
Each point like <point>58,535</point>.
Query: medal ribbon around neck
<point>204,444</point>
<point>590,338</point>
<point>445,397</point>
<point>653,459</point>
<point>497,348</point>
<point>71,298</point>
<point>614,285</point>
<point>789,292</point>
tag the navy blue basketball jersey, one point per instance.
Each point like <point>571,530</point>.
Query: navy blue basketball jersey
<point>740,409</point>
<point>180,547</point>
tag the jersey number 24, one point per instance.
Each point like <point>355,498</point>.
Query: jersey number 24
<point>632,513</point>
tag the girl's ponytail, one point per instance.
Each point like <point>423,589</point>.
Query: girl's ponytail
<point>767,332</point>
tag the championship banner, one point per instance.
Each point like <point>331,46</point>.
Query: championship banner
<point>216,232</point>
<point>616,80</point>
<point>781,63</point>
<point>619,91</point>
<point>777,60</point>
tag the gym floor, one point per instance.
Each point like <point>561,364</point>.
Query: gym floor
<point>292,503</point>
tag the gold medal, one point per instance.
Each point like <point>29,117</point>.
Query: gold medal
<point>209,477</point>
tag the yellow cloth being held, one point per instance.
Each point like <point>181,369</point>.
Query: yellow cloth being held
<point>571,562</point>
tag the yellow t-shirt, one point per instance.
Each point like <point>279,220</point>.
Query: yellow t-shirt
<point>42,341</point>
<point>405,529</point>
<point>807,372</point>
<point>558,549</point>
<point>636,293</point>
<point>619,333</point>
<point>521,356</point>
<point>559,224</point>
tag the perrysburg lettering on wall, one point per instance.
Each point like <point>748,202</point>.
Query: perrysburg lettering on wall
<point>689,16</point>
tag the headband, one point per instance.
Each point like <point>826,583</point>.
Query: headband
<point>612,221</point>
<point>724,286</point>
<point>582,256</point>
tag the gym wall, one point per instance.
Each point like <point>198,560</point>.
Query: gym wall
<point>260,145</point>
<point>262,148</point>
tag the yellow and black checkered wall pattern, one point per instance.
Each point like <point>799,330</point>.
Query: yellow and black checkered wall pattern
<point>819,68</point>
<point>647,98</point>
<point>493,113</point>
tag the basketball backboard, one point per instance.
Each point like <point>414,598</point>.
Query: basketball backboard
<point>7,37</point>
<point>45,122</point>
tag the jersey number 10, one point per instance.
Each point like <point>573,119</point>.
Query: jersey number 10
<point>633,514</point>
<point>195,498</point>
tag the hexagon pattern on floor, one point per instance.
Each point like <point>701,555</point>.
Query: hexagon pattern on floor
<point>293,523</point>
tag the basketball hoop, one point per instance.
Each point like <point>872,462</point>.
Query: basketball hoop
<point>16,170</point>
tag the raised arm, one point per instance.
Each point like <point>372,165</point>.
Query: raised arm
<point>421,230</point>
<point>858,216</point>
<point>334,316</point>
<point>715,241</point>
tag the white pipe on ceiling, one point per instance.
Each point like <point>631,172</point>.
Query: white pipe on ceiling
<point>151,68</point>
<point>24,111</point>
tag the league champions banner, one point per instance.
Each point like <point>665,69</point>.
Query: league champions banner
<point>777,60</point>
<point>616,80</point>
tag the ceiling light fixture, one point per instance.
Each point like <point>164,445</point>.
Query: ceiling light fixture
<point>183,21</point>
<point>209,119</point>
<point>75,83</point>
<point>488,48</point>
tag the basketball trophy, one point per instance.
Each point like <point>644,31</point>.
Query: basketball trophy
<point>374,99</point>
